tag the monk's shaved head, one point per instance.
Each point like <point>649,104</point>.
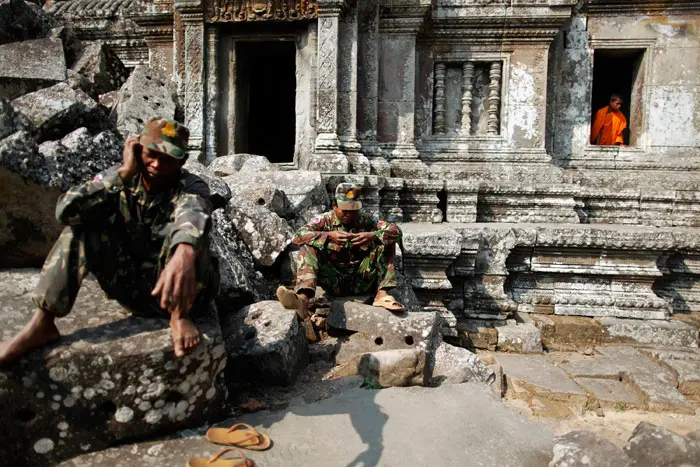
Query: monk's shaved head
<point>615,97</point>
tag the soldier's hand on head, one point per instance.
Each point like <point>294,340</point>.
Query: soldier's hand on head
<point>363,238</point>
<point>130,161</point>
<point>340,238</point>
<point>176,285</point>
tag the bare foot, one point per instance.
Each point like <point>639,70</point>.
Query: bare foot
<point>185,336</point>
<point>40,330</point>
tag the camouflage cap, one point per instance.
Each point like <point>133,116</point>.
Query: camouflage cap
<point>347,197</point>
<point>167,136</point>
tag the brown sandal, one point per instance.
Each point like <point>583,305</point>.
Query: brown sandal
<point>240,435</point>
<point>390,303</point>
<point>214,461</point>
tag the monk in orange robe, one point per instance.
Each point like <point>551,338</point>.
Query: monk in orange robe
<point>609,123</point>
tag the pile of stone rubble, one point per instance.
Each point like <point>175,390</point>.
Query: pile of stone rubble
<point>66,107</point>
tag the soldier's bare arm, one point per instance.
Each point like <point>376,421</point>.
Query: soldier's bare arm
<point>176,285</point>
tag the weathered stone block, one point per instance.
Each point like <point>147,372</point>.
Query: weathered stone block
<point>11,121</point>
<point>30,65</point>
<point>262,193</point>
<point>655,445</point>
<point>385,329</point>
<point>388,368</point>
<point>101,66</point>
<point>146,93</point>
<point>235,262</point>
<point>667,333</point>
<point>58,110</point>
<point>219,191</point>
<point>109,378</point>
<point>265,233</point>
<point>519,337</point>
<point>264,342</point>
<point>257,164</point>
<point>455,365</point>
<point>583,448</point>
<point>20,21</point>
<point>228,165</point>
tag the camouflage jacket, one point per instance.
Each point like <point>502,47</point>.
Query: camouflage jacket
<point>181,213</point>
<point>315,233</point>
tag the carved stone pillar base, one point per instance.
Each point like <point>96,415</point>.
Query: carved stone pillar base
<point>359,164</point>
<point>327,157</point>
<point>390,199</point>
<point>380,166</point>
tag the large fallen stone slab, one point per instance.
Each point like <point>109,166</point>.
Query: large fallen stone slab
<point>686,365</point>
<point>263,194</point>
<point>20,21</point>
<point>371,428</point>
<point>304,189</point>
<point>11,121</point>
<point>652,445</point>
<point>101,66</point>
<point>30,65</point>
<point>111,377</point>
<point>224,166</point>
<point>265,233</point>
<point>236,269</point>
<point>219,191</point>
<point>585,449</point>
<point>455,365</point>
<point>388,368</point>
<point>257,164</point>
<point>658,332</point>
<point>380,329</point>
<point>146,93</point>
<point>657,384</point>
<point>519,337</point>
<point>58,110</point>
<point>536,375</point>
<point>264,343</point>
<point>31,182</point>
<point>611,393</point>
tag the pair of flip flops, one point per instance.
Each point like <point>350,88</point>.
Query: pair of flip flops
<point>240,435</point>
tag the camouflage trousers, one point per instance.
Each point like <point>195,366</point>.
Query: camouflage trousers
<point>123,276</point>
<point>366,273</point>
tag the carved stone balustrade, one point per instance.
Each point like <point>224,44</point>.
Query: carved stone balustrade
<point>461,201</point>
<point>511,203</point>
<point>419,200</point>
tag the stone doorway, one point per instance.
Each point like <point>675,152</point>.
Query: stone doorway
<point>265,91</point>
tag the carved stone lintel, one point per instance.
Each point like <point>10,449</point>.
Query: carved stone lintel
<point>229,11</point>
<point>439,125</point>
<point>467,75</point>
<point>494,98</point>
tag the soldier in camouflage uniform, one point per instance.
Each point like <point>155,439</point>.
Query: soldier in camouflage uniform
<point>143,230</point>
<point>346,252</point>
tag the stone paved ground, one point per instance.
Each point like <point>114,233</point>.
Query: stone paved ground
<point>609,391</point>
<point>453,425</point>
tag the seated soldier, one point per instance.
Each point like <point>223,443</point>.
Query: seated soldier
<point>143,230</point>
<point>346,252</point>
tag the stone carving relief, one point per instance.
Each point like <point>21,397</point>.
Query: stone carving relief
<point>261,10</point>
<point>476,109</point>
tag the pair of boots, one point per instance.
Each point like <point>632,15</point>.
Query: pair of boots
<point>289,299</point>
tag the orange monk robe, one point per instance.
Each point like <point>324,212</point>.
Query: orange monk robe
<point>608,124</point>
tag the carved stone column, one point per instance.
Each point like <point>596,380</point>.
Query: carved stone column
<point>397,83</point>
<point>494,98</point>
<point>211,103</point>
<point>347,93</point>
<point>367,84</point>
<point>327,156</point>
<point>192,71</point>
<point>155,21</point>
<point>439,99</point>
<point>467,75</point>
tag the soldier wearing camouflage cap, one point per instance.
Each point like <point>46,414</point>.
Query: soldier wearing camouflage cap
<point>143,230</point>
<point>347,252</point>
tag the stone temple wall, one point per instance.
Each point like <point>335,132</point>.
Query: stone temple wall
<point>468,122</point>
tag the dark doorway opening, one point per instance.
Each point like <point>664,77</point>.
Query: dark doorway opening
<point>617,71</point>
<point>265,90</point>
